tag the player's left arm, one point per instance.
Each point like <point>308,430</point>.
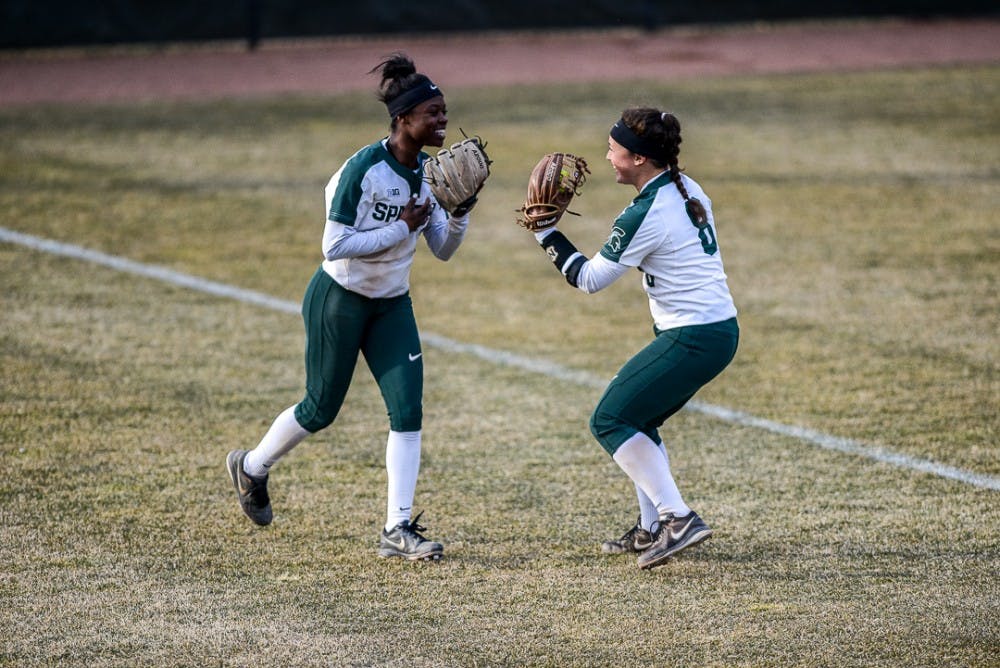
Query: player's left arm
<point>588,275</point>
<point>444,232</point>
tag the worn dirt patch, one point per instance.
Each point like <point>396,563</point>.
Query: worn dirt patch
<point>217,70</point>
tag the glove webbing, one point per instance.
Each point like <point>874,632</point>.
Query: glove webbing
<point>564,255</point>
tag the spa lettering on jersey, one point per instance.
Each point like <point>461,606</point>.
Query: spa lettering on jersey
<point>383,211</point>
<point>386,212</point>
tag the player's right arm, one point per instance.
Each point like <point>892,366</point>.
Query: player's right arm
<point>349,199</point>
<point>343,241</point>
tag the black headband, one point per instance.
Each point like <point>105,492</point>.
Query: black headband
<point>409,99</point>
<point>624,135</point>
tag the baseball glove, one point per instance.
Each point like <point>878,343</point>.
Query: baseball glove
<point>554,181</point>
<point>457,174</point>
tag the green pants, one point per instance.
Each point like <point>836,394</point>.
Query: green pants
<point>660,379</point>
<point>340,324</point>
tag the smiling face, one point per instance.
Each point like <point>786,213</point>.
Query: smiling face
<point>631,168</point>
<point>425,124</point>
<point>626,164</point>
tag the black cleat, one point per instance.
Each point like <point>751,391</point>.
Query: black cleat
<point>404,540</point>
<point>251,491</point>
<point>634,540</point>
<point>673,535</point>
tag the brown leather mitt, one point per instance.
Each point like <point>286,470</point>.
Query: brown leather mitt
<point>554,181</point>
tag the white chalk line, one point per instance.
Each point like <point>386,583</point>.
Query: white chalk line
<point>505,358</point>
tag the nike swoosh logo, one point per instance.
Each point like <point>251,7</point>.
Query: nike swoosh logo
<point>413,357</point>
<point>674,535</point>
<point>401,545</point>
<point>240,483</point>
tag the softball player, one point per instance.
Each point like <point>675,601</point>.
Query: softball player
<point>377,206</point>
<point>668,233</point>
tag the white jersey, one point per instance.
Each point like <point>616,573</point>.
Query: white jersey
<point>367,248</point>
<point>681,264</point>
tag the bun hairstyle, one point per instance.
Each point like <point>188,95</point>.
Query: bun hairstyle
<point>662,131</point>
<point>402,88</point>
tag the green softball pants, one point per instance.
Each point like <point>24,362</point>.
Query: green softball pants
<point>660,379</point>
<point>339,324</point>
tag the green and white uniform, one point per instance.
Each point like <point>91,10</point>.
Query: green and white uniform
<point>358,300</point>
<point>693,312</point>
<point>367,248</point>
<point>681,265</point>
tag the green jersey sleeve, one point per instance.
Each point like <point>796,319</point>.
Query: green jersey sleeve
<point>625,227</point>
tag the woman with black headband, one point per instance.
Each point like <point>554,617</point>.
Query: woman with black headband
<point>668,233</point>
<point>377,208</point>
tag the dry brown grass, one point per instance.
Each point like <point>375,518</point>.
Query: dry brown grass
<point>857,215</point>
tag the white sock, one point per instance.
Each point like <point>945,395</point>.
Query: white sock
<point>285,433</point>
<point>649,468</point>
<point>648,514</point>
<point>402,464</point>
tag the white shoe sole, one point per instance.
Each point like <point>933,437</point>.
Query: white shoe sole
<point>661,559</point>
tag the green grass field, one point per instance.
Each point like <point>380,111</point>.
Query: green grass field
<point>858,219</point>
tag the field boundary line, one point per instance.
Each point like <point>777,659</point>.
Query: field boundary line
<point>505,358</point>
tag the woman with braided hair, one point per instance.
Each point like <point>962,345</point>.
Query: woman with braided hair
<point>377,208</point>
<point>668,233</point>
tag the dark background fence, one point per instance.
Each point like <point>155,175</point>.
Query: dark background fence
<point>35,23</point>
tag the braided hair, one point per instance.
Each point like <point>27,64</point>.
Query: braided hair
<point>664,130</point>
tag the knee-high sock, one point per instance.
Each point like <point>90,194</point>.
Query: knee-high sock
<point>649,469</point>
<point>402,465</point>
<point>285,433</point>
<point>648,514</point>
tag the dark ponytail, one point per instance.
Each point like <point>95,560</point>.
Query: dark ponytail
<point>664,131</point>
<point>402,87</point>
